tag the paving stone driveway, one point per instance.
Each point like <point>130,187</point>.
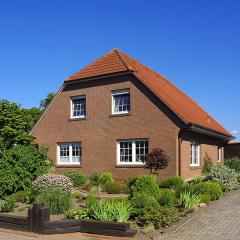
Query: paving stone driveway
<point>219,221</point>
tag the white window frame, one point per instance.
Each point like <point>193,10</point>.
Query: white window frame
<point>219,154</point>
<point>71,106</point>
<point>120,92</point>
<point>197,145</point>
<point>70,154</point>
<point>134,162</point>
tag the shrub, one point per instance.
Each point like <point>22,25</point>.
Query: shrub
<point>166,198</point>
<point>77,178</point>
<point>186,187</point>
<point>205,198</point>
<point>21,196</point>
<point>8,205</point>
<point>21,165</point>
<point>162,217</point>
<point>188,200</point>
<point>145,184</point>
<point>207,164</point>
<point>55,199</point>
<point>46,181</point>
<point>233,163</point>
<point>224,175</point>
<point>211,188</point>
<point>115,187</point>
<point>196,180</point>
<point>76,195</point>
<point>111,211</point>
<point>81,213</point>
<point>156,160</point>
<point>142,203</point>
<point>94,179</point>
<point>171,182</point>
<point>129,181</point>
<point>106,178</point>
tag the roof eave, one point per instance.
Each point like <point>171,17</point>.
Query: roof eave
<point>210,132</point>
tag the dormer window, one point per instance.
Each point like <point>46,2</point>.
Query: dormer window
<point>78,107</point>
<point>121,101</point>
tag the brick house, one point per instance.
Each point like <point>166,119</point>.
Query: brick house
<point>232,149</point>
<point>113,111</point>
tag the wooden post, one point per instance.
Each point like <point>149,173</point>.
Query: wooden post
<point>35,216</point>
<point>43,216</point>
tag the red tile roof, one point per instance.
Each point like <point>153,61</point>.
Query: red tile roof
<point>183,106</point>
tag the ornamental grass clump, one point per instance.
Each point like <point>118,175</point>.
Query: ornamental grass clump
<point>55,181</point>
<point>189,200</point>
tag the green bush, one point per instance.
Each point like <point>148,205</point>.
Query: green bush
<point>90,200</point>
<point>55,181</point>
<point>55,199</point>
<point>8,205</point>
<point>145,184</point>
<point>187,187</point>
<point>142,203</point>
<point>20,166</point>
<point>189,200</point>
<point>115,187</point>
<point>196,180</point>
<point>21,196</point>
<point>224,175</point>
<point>205,198</point>
<point>207,164</point>
<point>209,187</point>
<point>106,178</point>
<point>233,163</point>
<point>77,178</point>
<point>166,198</point>
<point>163,217</point>
<point>171,182</point>
<point>81,213</point>
<point>129,181</point>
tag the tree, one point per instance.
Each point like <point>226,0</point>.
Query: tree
<point>46,101</point>
<point>15,124</point>
<point>156,160</point>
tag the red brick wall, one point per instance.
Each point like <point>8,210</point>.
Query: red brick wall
<point>207,145</point>
<point>98,134</point>
<point>232,150</point>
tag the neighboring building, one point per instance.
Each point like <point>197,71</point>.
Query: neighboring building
<point>115,110</point>
<point>232,149</point>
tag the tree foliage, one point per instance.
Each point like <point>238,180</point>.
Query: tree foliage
<point>156,160</point>
<point>46,101</point>
<point>15,124</point>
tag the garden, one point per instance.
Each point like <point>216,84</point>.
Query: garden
<point>147,203</point>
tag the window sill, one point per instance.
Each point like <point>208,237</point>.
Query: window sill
<point>195,167</point>
<point>130,166</point>
<point>120,114</point>
<point>77,119</point>
<point>68,166</point>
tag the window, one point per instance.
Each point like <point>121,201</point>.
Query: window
<point>131,151</point>
<point>78,107</point>
<point>121,101</point>
<point>69,153</point>
<point>195,154</point>
<point>219,154</point>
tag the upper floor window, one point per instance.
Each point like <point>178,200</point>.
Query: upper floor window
<point>195,154</point>
<point>78,107</point>
<point>219,154</point>
<point>69,153</point>
<point>121,101</point>
<point>131,151</point>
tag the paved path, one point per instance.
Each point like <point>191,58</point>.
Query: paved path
<point>219,221</point>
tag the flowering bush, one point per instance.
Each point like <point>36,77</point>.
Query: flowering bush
<point>46,181</point>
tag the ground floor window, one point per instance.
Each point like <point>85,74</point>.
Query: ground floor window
<point>69,153</point>
<point>195,154</point>
<point>131,151</point>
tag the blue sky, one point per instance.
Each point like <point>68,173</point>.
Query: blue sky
<point>195,44</point>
